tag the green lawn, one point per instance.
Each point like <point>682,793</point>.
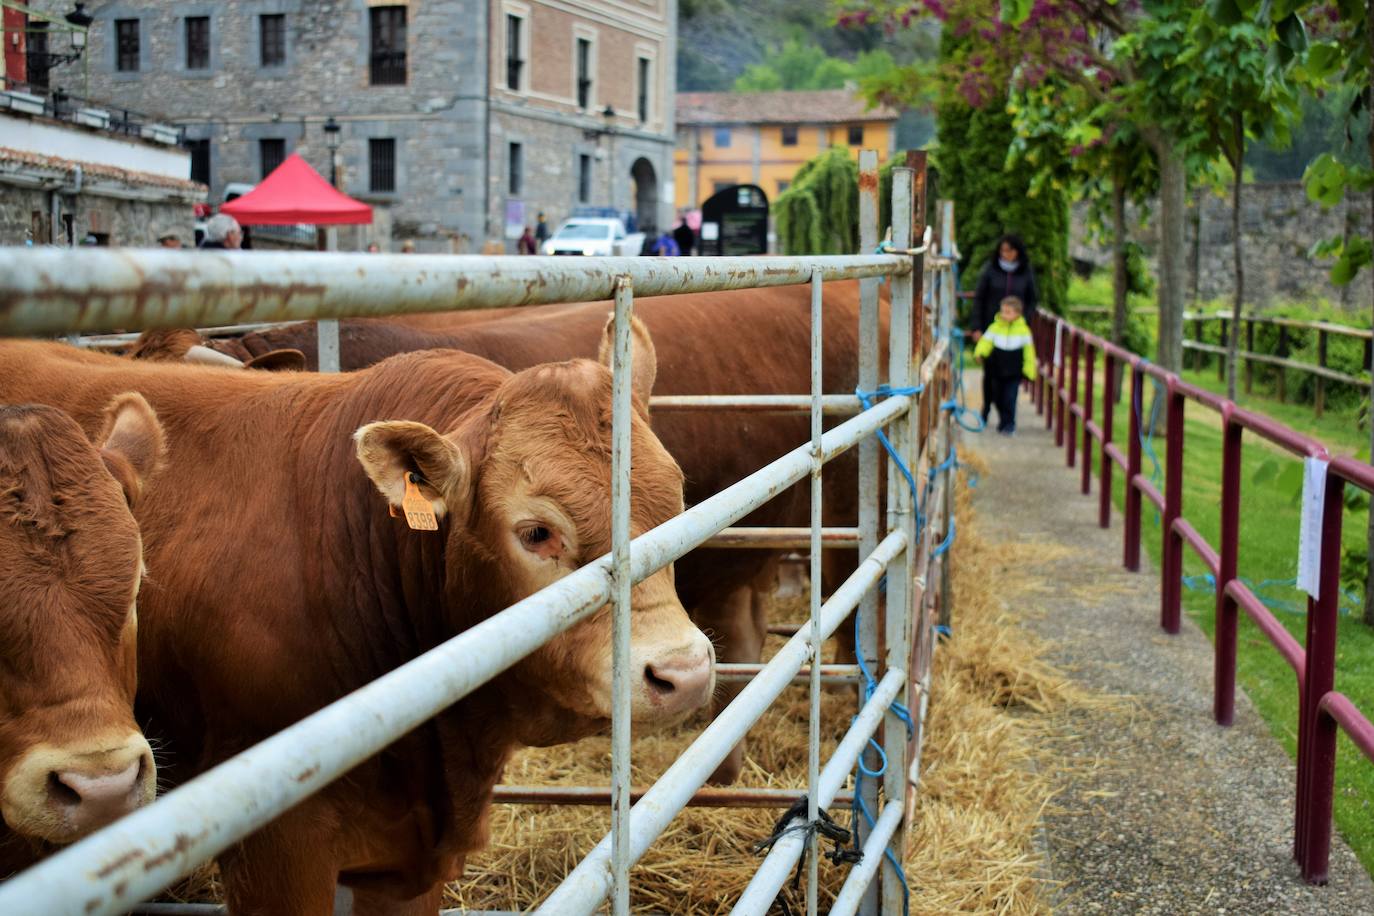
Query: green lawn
<point>1268,550</point>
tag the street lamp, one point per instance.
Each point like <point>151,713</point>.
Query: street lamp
<point>80,21</point>
<point>331,140</point>
<point>609,114</point>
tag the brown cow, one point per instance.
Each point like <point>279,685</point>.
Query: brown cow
<point>754,341</point>
<point>71,757</point>
<point>283,583</point>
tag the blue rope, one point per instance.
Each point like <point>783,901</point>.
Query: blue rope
<point>958,402</point>
<point>1207,582</point>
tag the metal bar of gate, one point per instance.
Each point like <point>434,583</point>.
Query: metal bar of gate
<point>621,710</point>
<point>583,891</point>
<point>832,405</point>
<point>742,797</point>
<point>782,538</point>
<point>139,855</point>
<point>813,734</point>
<point>48,292</point>
<point>861,876</point>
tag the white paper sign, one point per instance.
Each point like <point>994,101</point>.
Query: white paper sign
<point>1310,535</point>
<point>710,232</point>
<point>1058,342</point>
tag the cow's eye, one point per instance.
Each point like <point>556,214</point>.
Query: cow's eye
<point>535,535</point>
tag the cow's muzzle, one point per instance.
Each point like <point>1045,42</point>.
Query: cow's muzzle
<point>60,794</point>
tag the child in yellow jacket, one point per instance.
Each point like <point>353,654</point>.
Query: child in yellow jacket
<point>1007,354</point>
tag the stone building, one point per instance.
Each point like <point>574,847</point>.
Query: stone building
<point>459,120</point>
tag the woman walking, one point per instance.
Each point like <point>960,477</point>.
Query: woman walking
<point>1008,273</point>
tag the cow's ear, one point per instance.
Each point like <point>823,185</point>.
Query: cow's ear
<point>643,357</point>
<point>278,361</point>
<point>131,443</point>
<point>392,450</point>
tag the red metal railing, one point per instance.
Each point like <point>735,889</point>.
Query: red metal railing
<point>1321,710</point>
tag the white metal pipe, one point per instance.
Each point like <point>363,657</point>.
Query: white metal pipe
<point>583,891</point>
<point>327,344</point>
<point>832,405</point>
<point>621,676</point>
<point>777,866</point>
<point>46,292</point>
<point>813,737</point>
<point>731,672</point>
<point>782,538</point>
<point>857,882</point>
<point>139,855</point>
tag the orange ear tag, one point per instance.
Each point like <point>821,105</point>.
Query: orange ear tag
<point>419,512</point>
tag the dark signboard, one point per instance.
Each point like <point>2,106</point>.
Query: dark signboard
<point>734,221</point>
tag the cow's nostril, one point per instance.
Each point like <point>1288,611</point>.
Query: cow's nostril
<point>661,685</point>
<point>62,793</point>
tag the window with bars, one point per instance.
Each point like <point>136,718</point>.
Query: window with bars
<point>197,42</point>
<point>515,64</point>
<point>200,160</point>
<point>126,45</point>
<point>37,50</point>
<point>272,39</point>
<point>856,135</point>
<point>644,72</point>
<point>388,60</point>
<point>271,153</point>
<point>381,165</point>
<point>584,179</point>
<point>516,169</point>
<point>789,136</point>
<point>584,73</point>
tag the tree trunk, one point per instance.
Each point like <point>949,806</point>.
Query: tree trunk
<point>1238,165</point>
<point>1173,188</point>
<point>1369,556</point>
<point>1120,280</point>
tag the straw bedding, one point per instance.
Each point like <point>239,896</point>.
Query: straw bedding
<point>992,724</point>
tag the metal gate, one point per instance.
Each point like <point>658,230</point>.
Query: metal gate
<point>47,292</point>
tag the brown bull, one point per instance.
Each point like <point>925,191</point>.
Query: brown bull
<point>283,583</point>
<point>71,561</point>
<point>753,341</point>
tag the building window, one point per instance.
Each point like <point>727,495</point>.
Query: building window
<point>515,161</point>
<point>783,186</point>
<point>126,45</point>
<point>272,40</point>
<point>381,165</point>
<point>515,64</point>
<point>718,186</point>
<point>722,137</point>
<point>388,61</point>
<point>271,153</point>
<point>37,49</point>
<point>643,89</point>
<point>789,136</point>
<point>584,179</point>
<point>197,42</point>
<point>584,73</point>
<point>200,160</point>
<point>856,135</point>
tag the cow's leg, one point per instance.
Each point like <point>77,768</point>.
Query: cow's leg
<point>734,627</point>
<point>285,869</point>
<point>373,903</point>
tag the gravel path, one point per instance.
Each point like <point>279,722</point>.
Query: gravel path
<point>1158,809</point>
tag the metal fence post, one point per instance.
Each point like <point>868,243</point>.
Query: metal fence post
<point>1224,698</point>
<point>1059,388</point>
<point>867,643</point>
<point>620,559</point>
<point>901,516</point>
<point>1087,476</point>
<point>1316,729</point>
<point>1070,418</point>
<point>1171,566</point>
<point>813,754</point>
<point>1104,485</point>
<point>1319,397</point>
<point>1245,360</point>
<point>327,342</point>
<point>1131,517</point>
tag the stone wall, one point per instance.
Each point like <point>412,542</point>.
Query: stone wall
<point>1278,227</point>
<point>25,216</point>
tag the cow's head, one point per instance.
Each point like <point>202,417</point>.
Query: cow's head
<point>183,345</point>
<point>71,757</point>
<point>523,489</point>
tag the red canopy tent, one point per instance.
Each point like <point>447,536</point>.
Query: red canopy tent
<point>295,193</point>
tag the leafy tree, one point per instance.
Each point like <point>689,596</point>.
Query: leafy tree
<point>798,66</point>
<point>819,211</point>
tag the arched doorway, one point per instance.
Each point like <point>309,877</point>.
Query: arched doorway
<point>646,196</point>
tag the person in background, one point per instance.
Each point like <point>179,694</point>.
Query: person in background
<point>665,246</point>
<point>684,236</point>
<point>408,247</point>
<point>541,232</point>
<point>169,240</point>
<point>1008,273</point>
<point>374,248</point>
<point>1007,353</point>
<point>527,244</point>
<point>222,232</point>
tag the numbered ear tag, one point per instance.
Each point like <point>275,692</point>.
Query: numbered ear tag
<point>419,512</point>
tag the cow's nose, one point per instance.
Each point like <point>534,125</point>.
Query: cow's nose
<point>682,681</point>
<point>92,798</point>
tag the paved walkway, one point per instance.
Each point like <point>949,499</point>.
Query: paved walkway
<point>1158,809</point>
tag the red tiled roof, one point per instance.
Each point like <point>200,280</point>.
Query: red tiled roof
<point>97,170</point>
<point>828,106</point>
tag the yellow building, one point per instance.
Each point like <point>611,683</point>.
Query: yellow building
<point>762,138</point>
